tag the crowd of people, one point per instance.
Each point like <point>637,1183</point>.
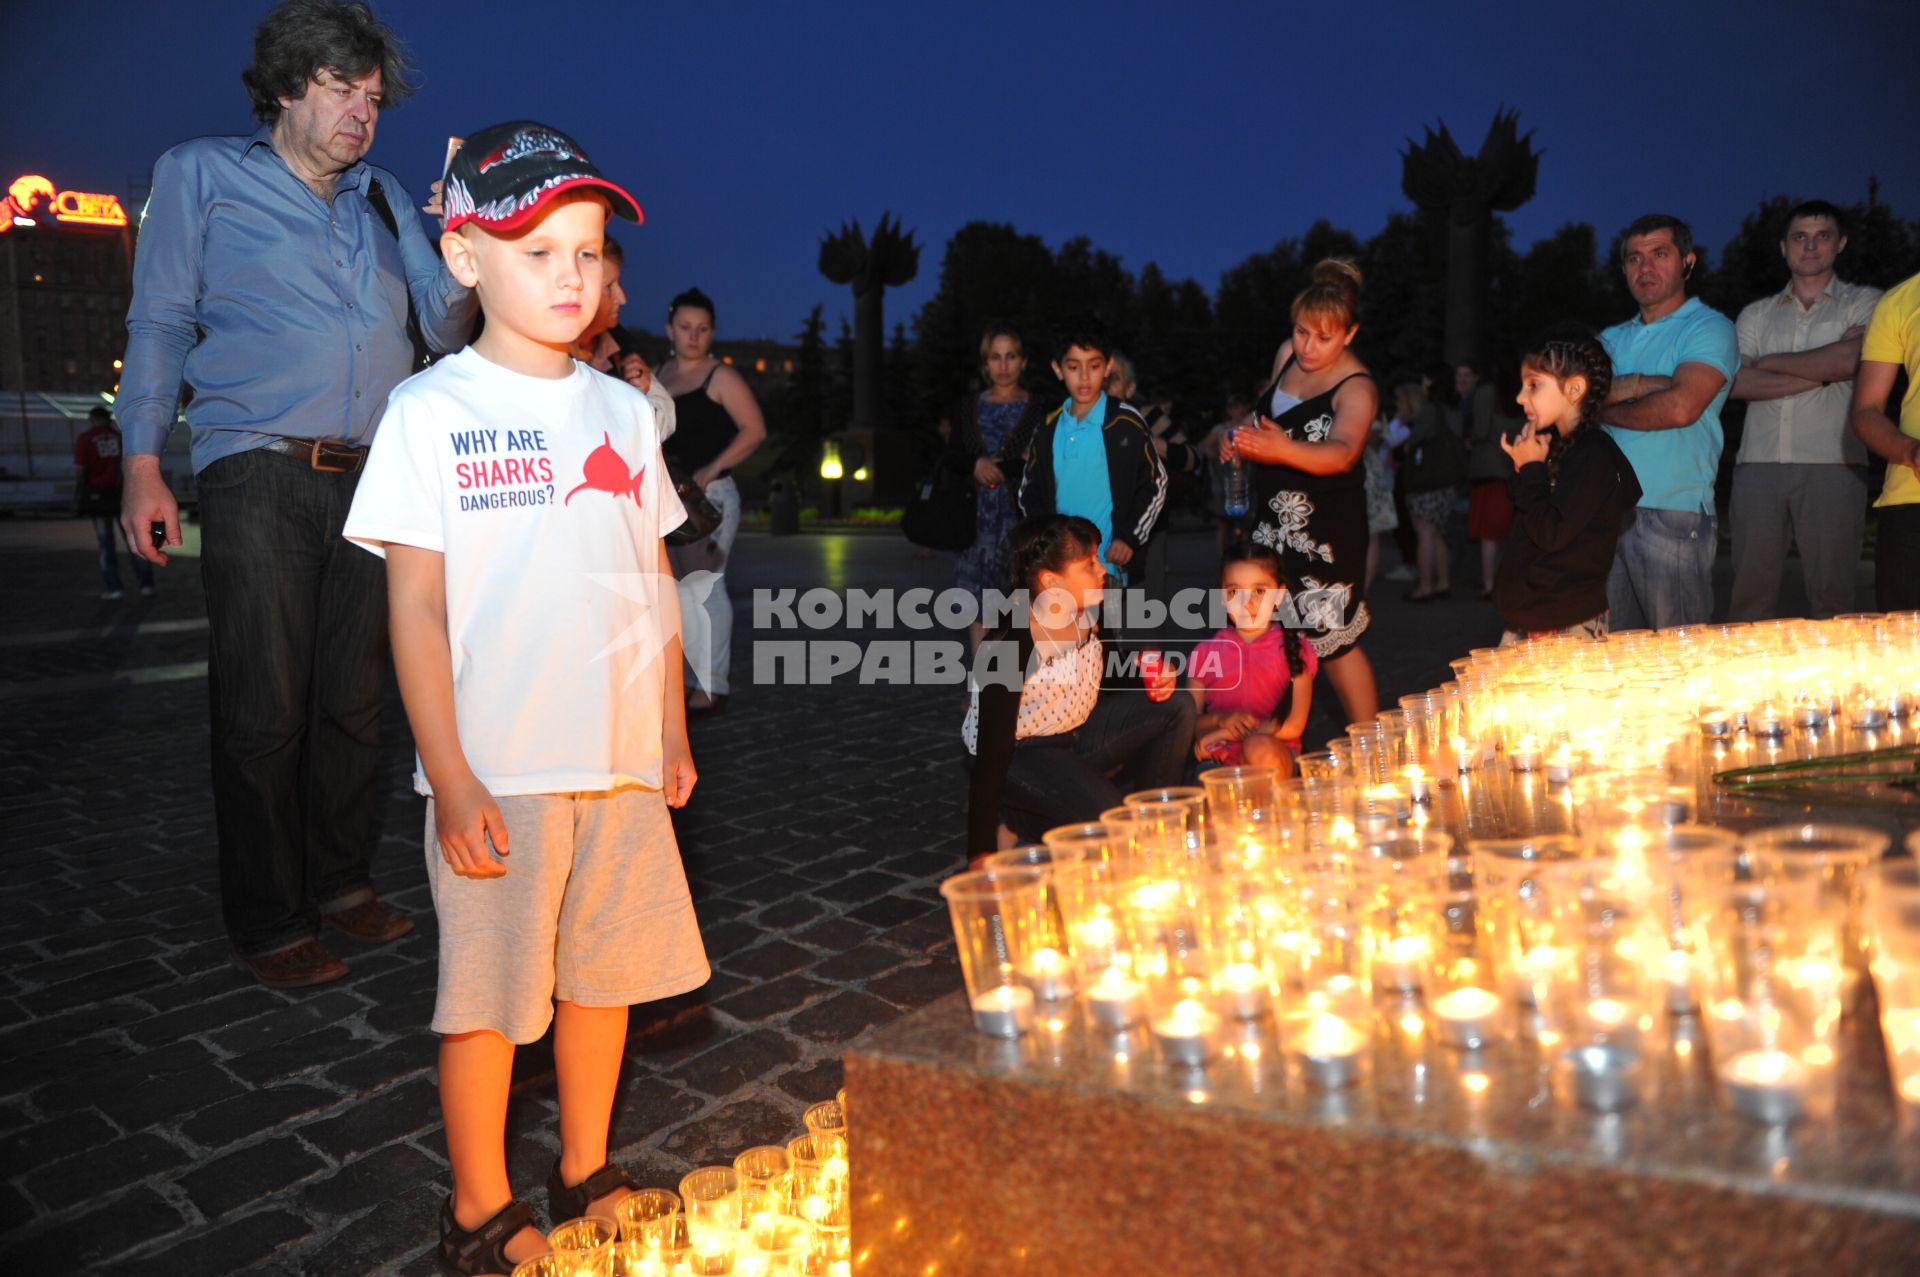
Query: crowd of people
<point>1589,489</point>
<point>349,510</point>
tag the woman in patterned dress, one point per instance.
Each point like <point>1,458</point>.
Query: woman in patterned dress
<point>1309,488</point>
<point>990,434</point>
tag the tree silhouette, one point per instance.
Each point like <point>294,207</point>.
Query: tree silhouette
<point>871,266</point>
<point>1438,177</point>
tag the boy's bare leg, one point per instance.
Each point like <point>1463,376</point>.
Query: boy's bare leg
<point>476,1070</point>
<point>588,1044</point>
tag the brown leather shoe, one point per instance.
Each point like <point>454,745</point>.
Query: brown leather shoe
<point>307,963</point>
<point>369,922</point>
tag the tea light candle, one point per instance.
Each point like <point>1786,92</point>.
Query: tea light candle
<point>1679,979</point>
<point>1716,723</point>
<point>1329,1051</point>
<point>1461,761</point>
<point>1605,1078</point>
<point>1613,1021</point>
<point>1765,1086</point>
<point>1466,1016</point>
<point>1533,969</point>
<point>1005,1011</point>
<point>1116,1000</point>
<point>1419,787</point>
<point>1767,721</point>
<point>1809,713</point>
<point>1525,755</point>
<point>1049,974</point>
<point>1868,714</point>
<point>1560,766</point>
<point>1094,940</point>
<point>1243,987</point>
<point>1399,968</point>
<point>1185,1034</point>
<point>1900,703</point>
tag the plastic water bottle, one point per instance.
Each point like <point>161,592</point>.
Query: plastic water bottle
<point>1238,499</point>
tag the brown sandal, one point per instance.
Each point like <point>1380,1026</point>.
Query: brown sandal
<point>471,1252</point>
<point>564,1203</point>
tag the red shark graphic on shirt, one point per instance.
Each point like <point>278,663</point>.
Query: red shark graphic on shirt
<point>606,471</point>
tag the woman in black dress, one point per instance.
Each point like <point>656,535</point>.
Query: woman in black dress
<point>1309,489</point>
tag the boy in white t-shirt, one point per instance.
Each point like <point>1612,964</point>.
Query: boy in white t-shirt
<point>519,498</point>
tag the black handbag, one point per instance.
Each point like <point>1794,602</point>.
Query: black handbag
<point>940,516</point>
<point>703,516</point>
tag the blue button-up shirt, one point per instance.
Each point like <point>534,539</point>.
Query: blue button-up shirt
<point>285,313</point>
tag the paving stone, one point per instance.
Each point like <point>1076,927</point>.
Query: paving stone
<point>117,1225</point>
<point>95,1168</point>
<point>393,1114</point>
<point>370,1180</point>
<point>250,1174</point>
<point>891,911</point>
<point>109,982</point>
<point>858,887</point>
<point>769,888</point>
<point>719,1136</point>
<point>251,1112</point>
<point>15,1210</point>
<point>137,1088</point>
<point>741,1058</point>
<point>759,1002</point>
<point>812,1083</point>
<point>234,1246</point>
<point>204,1017</point>
<point>648,1105</point>
<point>776,957</point>
<point>914,987</point>
<point>864,963</point>
<point>790,913</point>
<point>842,1017</point>
<point>321,1009</point>
<point>394,1230</point>
<point>384,1065</point>
<point>835,935</point>
<point>302,1054</point>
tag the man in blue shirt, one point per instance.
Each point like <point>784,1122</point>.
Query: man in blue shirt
<point>274,276</point>
<point>1673,364</point>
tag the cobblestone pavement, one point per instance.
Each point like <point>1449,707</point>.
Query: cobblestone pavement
<point>162,1113</point>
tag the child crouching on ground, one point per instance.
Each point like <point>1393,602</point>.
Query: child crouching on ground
<point>520,499</point>
<point>1253,681</point>
<point>1572,492</point>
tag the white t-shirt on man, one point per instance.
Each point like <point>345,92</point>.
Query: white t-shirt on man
<point>548,499</point>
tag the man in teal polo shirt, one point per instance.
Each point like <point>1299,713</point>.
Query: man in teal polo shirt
<point>1673,364</point>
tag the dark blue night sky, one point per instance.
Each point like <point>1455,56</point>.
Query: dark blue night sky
<point>1188,134</point>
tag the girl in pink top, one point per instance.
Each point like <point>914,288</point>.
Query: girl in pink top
<point>1252,682</point>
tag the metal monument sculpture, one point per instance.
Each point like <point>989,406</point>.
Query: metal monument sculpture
<point>1468,190</point>
<point>872,266</point>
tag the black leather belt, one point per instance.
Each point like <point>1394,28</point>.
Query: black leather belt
<point>334,456</point>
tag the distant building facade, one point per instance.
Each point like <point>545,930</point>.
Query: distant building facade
<point>66,278</point>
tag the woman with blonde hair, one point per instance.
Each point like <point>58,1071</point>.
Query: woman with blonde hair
<point>1309,490</point>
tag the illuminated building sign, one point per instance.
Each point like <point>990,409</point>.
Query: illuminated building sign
<point>33,192</point>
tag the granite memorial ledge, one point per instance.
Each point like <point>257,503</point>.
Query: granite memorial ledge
<point>1070,1151</point>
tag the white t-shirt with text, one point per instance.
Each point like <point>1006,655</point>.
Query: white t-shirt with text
<point>548,499</point>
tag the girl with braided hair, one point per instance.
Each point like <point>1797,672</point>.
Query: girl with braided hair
<point>1573,491</point>
<point>1252,682</point>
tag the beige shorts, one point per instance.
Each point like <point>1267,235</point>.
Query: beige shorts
<point>593,909</point>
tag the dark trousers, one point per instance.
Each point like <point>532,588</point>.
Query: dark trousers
<point>1053,782</point>
<point>1896,559</point>
<point>297,641</point>
<point>106,528</point>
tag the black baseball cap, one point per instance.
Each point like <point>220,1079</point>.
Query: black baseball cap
<point>502,175</point>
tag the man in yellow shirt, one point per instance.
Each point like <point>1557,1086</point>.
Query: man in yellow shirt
<point>1892,343</point>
